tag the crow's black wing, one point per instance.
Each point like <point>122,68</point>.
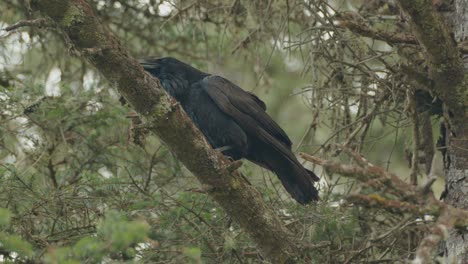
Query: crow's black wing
<point>245,108</point>
<point>256,99</point>
<point>269,146</point>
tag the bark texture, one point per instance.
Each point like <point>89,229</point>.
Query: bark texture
<point>448,73</point>
<point>456,165</point>
<point>443,57</point>
<point>456,177</point>
<point>163,115</point>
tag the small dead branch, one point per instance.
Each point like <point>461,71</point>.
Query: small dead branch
<point>39,23</point>
<point>372,175</point>
<point>234,166</point>
<point>245,41</point>
<point>203,189</point>
<point>429,243</point>
<point>360,160</point>
<point>356,24</point>
<point>394,206</point>
<point>416,138</point>
<point>137,131</point>
<point>431,178</point>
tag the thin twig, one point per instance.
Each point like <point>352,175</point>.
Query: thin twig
<point>40,22</point>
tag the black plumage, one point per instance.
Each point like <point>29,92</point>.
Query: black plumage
<point>235,121</point>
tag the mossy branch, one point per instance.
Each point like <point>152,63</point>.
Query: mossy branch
<point>392,194</point>
<point>443,56</point>
<point>164,116</point>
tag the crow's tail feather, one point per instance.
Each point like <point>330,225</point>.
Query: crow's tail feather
<point>297,180</point>
<point>312,175</point>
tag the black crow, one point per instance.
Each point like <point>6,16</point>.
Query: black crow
<point>234,121</point>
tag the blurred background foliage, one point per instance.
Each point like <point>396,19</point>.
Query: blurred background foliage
<point>75,188</point>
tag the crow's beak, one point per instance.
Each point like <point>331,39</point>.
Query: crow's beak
<point>148,64</point>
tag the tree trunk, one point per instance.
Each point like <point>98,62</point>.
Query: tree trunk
<point>456,157</point>
<point>448,73</point>
<point>456,168</point>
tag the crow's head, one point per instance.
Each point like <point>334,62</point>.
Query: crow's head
<point>176,77</point>
<point>170,67</point>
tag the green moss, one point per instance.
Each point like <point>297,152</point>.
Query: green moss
<point>234,184</point>
<point>73,15</point>
<point>162,108</point>
<point>463,91</point>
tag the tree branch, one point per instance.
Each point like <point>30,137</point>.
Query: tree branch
<point>165,117</point>
<point>357,25</point>
<point>354,23</point>
<point>396,196</point>
<point>443,57</point>
<point>40,22</point>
